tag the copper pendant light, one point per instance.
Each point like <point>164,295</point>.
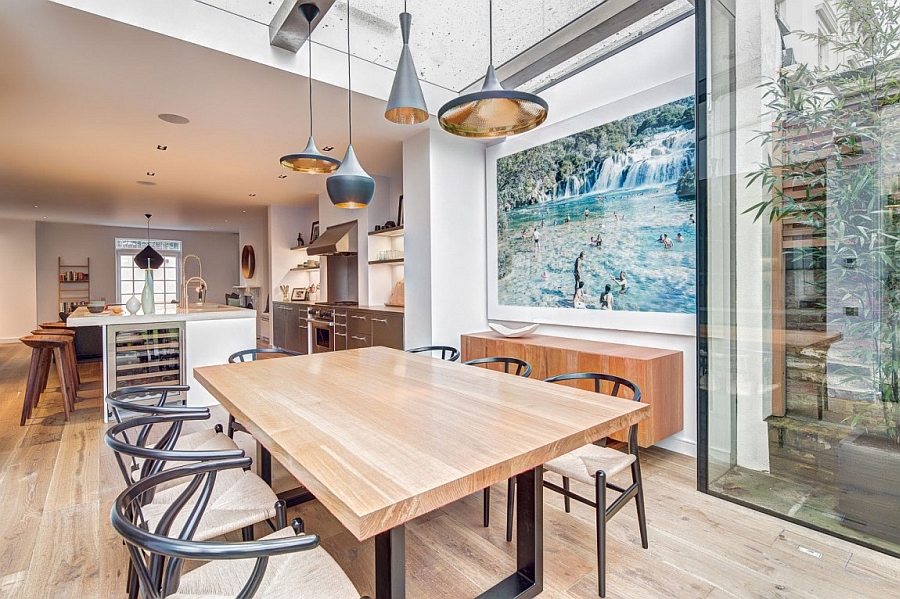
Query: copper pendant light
<point>406,105</point>
<point>493,111</point>
<point>310,160</point>
<point>350,186</point>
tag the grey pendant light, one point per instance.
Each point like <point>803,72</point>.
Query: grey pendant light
<point>406,106</point>
<point>310,160</point>
<point>350,186</point>
<point>148,258</point>
<point>493,111</point>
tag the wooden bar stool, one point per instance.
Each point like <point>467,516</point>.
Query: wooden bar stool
<point>63,328</point>
<point>42,347</point>
<point>57,326</point>
<point>69,354</point>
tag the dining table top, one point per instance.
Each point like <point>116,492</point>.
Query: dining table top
<point>381,436</point>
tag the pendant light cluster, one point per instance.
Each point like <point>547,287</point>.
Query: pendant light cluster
<point>350,186</point>
<point>310,160</point>
<point>493,111</point>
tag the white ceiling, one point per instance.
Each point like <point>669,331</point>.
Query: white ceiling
<point>79,98</point>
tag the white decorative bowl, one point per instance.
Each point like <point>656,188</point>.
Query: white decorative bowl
<point>508,332</point>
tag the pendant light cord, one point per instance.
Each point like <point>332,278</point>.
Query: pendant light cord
<point>349,80</point>
<point>490,32</point>
<point>309,44</point>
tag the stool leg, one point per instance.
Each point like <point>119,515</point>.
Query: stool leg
<point>71,371</point>
<point>73,364</point>
<point>43,375</point>
<point>63,383</point>
<point>32,384</point>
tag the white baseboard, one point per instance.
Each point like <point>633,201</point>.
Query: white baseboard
<point>679,445</point>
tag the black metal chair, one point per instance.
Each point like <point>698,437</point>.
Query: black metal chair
<point>286,563</point>
<point>594,465</point>
<point>251,355</point>
<point>522,368</point>
<point>241,499</point>
<point>448,353</point>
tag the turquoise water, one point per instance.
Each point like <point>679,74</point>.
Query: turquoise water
<point>659,280</point>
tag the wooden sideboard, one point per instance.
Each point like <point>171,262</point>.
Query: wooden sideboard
<point>659,373</point>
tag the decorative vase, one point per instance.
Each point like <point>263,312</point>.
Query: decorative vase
<point>133,305</point>
<point>147,294</point>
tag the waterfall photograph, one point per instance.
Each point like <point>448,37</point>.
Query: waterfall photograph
<point>603,219</point>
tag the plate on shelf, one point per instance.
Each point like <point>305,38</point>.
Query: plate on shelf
<point>508,332</point>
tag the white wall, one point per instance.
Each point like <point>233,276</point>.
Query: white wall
<point>285,222</point>
<point>255,233</point>
<point>18,306</point>
<point>219,253</point>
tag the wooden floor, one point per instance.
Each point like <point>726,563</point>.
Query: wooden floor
<point>58,480</point>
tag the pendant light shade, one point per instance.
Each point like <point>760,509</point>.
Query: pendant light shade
<point>148,258</point>
<point>310,160</point>
<point>492,111</point>
<point>406,106</point>
<point>350,186</point>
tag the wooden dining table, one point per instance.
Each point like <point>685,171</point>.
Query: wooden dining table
<point>380,437</point>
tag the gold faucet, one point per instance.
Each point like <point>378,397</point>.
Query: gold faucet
<point>184,286</point>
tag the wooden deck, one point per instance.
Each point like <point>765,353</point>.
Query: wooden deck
<point>58,479</point>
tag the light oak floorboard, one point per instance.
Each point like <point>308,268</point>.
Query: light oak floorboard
<point>58,481</point>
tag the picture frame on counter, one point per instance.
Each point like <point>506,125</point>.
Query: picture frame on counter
<point>297,294</point>
<point>314,231</point>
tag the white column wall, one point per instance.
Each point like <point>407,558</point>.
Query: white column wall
<point>417,239</point>
<point>18,306</point>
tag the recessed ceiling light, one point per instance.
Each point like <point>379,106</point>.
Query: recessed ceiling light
<point>151,174</point>
<point>244,211</point>
<point>252,195</point>
<point>328,148</point>
<point>175,119</point>
<point>35,206</point>
<point>145,182</point>
<point>161,147</point>
<point>282,176</point>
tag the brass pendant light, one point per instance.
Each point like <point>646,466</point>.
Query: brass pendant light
<point>350,186</point>
<point>492,111</point>
<point>310,160</point>
<point>406,106</point>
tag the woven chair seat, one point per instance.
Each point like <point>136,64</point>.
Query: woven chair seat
<point>583,463</point>
<point>311,573</point>
<point>205,440</point>
<point>239,499</point>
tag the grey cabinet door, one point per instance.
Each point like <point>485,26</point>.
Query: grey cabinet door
<point>279,325</point>
<point>292,328</point>
<point>387,330</point>
<point>340,330</point>
<point>304,336</point>
<point>358,340</point>
<point>359,322</point>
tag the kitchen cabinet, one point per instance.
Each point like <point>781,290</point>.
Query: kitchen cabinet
<point>368,328</point>
<point>286,331</point>
<point>340,329</point>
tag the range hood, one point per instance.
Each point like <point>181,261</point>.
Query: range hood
<point>337,239</point>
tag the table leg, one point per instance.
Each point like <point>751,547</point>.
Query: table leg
<point>390,564</point>
<point>291,497</point>
<point>528,580</point>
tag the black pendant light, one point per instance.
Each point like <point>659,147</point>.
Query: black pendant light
<point>310,160</point>
<point>406,105</point>
<point>492,111</point>
<point>350,186</point>
<point>148,258</point>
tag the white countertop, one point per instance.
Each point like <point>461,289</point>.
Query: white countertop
<point>164,313</point>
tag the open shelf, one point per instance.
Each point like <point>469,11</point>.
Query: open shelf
<point>305,268</point>
<point>392,232</point>
<point>299,247</point>
<point>393,261</point>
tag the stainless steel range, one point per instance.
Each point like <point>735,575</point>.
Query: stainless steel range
<point>321,321</point>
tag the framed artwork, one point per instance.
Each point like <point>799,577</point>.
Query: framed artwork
<point>592,223</point>
<point>314,232</point>
<point>297,294</point>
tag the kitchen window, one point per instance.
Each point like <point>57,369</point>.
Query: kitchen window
<point>130,278</point>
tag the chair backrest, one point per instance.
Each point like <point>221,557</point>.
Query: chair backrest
<point>451,354</point>
<point>158,555</point>
<point>250,355</point>
<point>131,399</point>
<point>131,439</point>
<point>618,383</point>
<point>523,368</point>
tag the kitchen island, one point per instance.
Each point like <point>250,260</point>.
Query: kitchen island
<point>165,347</point>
